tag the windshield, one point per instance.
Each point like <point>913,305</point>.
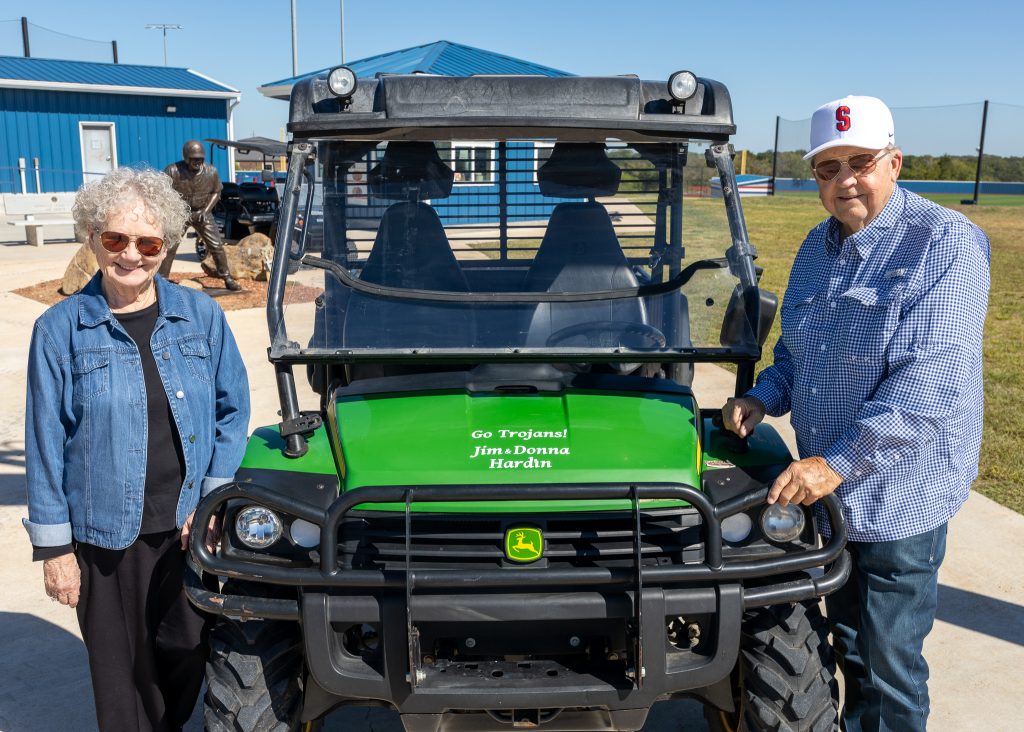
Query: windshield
<point>513,247</point>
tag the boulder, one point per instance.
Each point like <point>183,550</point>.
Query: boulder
<point>80,270</point>
<point>249,259</point>
<point>191,284</point>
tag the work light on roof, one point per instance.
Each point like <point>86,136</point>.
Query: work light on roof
<point>682,85</point>
<point>342,82</point>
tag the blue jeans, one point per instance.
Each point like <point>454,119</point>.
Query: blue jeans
<point>879,622</point>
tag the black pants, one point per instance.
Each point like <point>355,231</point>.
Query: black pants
<point>146,643</point>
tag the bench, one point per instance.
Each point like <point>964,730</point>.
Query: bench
<point>34,227</point>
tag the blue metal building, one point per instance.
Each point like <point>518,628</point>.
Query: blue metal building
<point>474,198</point>
<point>72,120</point>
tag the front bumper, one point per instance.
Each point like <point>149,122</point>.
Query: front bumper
<point>416,606</point>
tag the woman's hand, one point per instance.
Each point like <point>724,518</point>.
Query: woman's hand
<point>62,579</point>
<point>212,532</point>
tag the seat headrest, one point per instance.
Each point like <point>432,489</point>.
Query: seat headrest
<point>578,170</point>
<point>410,171</point>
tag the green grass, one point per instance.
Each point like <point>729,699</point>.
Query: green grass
<point>778,225</point>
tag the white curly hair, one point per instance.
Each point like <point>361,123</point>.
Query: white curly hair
<point>98,199</point>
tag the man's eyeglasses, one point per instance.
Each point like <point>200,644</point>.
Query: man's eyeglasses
<point>860,164</point>
<point>115,242</point>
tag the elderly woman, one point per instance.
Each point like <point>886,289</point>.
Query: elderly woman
<point>138,402</point>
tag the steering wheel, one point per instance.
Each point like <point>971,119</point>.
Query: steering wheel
<point>610,333</point>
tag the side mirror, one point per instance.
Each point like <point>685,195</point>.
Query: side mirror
<point>736,325</point>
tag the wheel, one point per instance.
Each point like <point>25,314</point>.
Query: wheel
<point>785,679</point>
<point>610,333</point>
<point>254,676</point>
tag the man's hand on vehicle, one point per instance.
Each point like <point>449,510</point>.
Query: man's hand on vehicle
<point>63,579</point>
<point>804,481</point>
<point>741,415</point>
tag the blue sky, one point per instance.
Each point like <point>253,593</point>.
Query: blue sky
<point>777,58</point>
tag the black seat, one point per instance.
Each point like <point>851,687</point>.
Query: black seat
<point>410,251</point>
<point>580,251</point>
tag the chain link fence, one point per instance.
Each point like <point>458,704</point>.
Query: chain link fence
<point>942,148</point>
<point>45,43</point>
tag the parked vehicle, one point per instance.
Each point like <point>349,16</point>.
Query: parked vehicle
<point>246,208</point>
<point>510,509</point>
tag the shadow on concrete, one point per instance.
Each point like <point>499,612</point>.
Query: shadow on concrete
<point>982,614</point>
<point>12,489</point>
<point>45,674</point>
<point>665,716</point>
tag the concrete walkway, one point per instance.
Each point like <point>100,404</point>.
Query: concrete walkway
<point>976,651</point>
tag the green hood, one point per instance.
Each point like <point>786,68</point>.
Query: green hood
<point>458,438</point>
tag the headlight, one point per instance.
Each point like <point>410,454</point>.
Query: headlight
<point>782,523</point>
<point>257,527</point>
<point>736,528</point>
<point>342,82</point>
<point>682,85</point>
<point>305,534</point>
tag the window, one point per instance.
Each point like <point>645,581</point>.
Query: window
<point>541,153</point>
<point>473,162</point>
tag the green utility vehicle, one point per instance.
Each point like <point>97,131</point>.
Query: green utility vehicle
<point>510,510</point>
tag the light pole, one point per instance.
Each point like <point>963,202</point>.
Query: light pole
<point>343,31</point>
<point>295,44</point>
<point>164,27</point>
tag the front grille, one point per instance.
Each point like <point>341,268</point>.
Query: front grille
<point>376,540</point>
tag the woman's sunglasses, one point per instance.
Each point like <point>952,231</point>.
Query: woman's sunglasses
<point>860,164</point>
<point>115,242</point>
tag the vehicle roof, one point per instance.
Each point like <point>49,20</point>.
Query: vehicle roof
<point>449,107</point>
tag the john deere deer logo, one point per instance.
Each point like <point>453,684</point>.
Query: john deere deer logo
<point>524,544</point>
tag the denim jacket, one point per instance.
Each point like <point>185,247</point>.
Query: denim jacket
<point>86,426</point>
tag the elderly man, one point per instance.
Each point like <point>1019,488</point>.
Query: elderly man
<point>880,365</point>
<point>199,184</point>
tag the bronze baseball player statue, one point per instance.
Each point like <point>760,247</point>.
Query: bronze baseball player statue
<point>199,184</point>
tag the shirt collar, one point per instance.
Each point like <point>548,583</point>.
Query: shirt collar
<point>863,241</point>
<point>93,308</point>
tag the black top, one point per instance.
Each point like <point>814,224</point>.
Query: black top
<point>165,460</point>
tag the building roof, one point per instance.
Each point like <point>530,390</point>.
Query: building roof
<point>88,76</point>
<point>441,57</point>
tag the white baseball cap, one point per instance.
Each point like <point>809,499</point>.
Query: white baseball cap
<point>855,121</point>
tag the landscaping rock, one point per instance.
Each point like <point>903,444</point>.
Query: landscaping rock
<point>249,259</point>
<point>80,270</point>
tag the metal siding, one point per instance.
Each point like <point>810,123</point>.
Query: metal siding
<point>44,124</point>
<point>441,57</point>
<point>82,72</point>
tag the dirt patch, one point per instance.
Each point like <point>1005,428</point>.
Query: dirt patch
<point>252,295</point>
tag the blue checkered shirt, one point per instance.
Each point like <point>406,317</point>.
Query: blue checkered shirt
<point>880,363</point>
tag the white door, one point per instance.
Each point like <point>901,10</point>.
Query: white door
<point>97,150</point>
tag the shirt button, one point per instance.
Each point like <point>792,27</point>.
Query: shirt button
<point>166,356</point>
<point>814,390</point>
<point>180,394</point>
<point>814,430</point>
<point>858,473</point>
<point>842,261</point>
<point>822,347</point>
<point>191,438</point>
<point>832,304</point>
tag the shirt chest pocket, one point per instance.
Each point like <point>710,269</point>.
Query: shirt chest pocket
<point>196,354</point>
<point>90,375</point>
<point>797,321</point>
<point>869,319</point>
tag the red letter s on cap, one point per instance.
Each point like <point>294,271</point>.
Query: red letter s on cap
<point>842,118</point>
